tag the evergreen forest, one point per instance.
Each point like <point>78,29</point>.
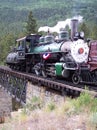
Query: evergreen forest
<point>14,15</point>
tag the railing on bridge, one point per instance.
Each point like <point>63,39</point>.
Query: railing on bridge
<point>14,85</point>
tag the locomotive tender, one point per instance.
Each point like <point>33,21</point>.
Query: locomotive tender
<point>70,58</point>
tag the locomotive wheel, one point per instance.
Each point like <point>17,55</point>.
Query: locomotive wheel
<point>44,73</point>
<point>76,79</point>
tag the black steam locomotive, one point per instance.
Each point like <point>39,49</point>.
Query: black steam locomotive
<point>63,57</point>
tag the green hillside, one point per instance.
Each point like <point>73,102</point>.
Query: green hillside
<point>14,14</point>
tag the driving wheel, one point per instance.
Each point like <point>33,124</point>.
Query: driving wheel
<point>76,79</point>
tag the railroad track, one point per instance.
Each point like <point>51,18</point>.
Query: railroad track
<point>12,79</point>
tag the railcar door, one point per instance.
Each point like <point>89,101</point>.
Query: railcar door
<point>93,55</point>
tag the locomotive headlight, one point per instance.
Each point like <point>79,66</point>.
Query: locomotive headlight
<point>82,34</point>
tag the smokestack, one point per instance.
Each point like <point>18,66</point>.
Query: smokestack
<point>74,27</point>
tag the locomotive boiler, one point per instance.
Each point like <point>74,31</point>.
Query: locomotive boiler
<point>46,56</point>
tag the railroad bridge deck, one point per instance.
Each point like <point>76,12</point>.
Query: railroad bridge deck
<point>16,84</point>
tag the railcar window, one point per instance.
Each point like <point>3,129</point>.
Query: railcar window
<point>27,46</point>
<point>21,45</point>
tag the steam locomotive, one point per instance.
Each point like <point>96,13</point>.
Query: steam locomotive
<point>71,58</point>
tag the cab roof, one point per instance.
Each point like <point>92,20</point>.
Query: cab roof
<point>28,37</point>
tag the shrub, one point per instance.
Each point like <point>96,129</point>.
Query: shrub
<point>35,103</point>
<point>50,106</point>
<point>84,101</point>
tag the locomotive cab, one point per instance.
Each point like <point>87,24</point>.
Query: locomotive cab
<point>16,59</point>
<point>32,40</point>
<point>21,49</point>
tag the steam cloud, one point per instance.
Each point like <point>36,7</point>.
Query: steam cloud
<point>60,25</point>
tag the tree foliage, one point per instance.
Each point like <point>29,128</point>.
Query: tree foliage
<point>84,27</point>
<point>15,15</point>
<point>31,26</point>
<point>5,46</point>
<point>94,32</point>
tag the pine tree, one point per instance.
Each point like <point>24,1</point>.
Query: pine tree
<point>31,24</point>
<point>94,32</point>
<point>85,29</point>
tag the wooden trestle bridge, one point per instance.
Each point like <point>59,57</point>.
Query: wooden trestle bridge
<point>15,83</point>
